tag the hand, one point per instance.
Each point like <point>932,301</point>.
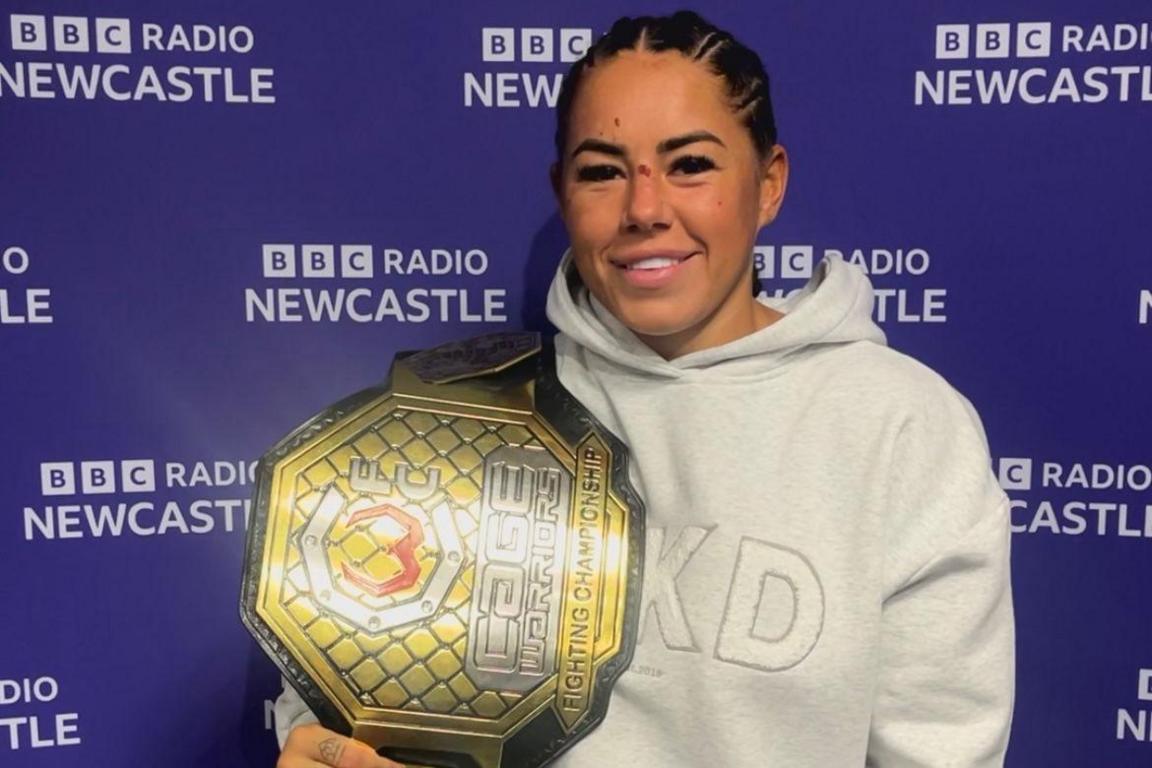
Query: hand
<point>313,746</point>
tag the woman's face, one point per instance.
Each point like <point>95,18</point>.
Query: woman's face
<point>663,193</point>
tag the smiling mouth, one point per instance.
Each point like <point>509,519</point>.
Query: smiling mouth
<point>653,263</point>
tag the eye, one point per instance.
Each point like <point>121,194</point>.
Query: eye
<point>691,165</point>
<point>597,173</point>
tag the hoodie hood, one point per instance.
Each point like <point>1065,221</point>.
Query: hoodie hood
<point>833,307</point>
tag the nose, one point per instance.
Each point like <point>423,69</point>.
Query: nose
<point>646,208</point>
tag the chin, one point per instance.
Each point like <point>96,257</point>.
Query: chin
<point>654,323</point>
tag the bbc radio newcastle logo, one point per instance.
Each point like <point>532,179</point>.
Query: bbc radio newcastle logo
<point>1037,63</point>
<point>784,269</point>
<point>1078,498</point>
<point>362,283</point>
<point>24,299</point>
<point>112,498</point>
<point>31,707</point>
<point>523,66</point>
<point>1135,723</point>
<point>89,58</point>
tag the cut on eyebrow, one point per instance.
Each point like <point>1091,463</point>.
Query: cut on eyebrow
<point>668,145</point>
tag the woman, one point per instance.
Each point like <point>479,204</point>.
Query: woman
<point>826,579</point>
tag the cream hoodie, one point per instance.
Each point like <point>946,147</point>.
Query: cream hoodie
<point>827,570</point>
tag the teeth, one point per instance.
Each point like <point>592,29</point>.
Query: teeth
<point>655,262</point>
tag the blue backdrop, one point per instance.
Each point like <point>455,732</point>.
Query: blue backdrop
<point>217,218</point>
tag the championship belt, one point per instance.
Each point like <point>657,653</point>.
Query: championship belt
<point>448,566</point>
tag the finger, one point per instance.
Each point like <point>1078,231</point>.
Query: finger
<point>300,749</point>
<point>342,752</point>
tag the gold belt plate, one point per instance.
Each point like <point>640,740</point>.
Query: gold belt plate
<point>448,566</point>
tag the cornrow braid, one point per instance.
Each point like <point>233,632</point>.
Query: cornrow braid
<point>743,73</point>
<point>706,45</point>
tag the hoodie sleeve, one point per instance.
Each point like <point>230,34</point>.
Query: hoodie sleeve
<point>289,712</point>
<point>946,684</point>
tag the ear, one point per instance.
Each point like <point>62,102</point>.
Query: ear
<point>773,183</point>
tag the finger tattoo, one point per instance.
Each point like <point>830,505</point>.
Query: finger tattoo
<point>331,749</point>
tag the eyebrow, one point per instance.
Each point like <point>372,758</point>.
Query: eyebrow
<point>668,145</point>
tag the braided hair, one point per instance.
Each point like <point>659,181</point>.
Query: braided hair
<point>740,67</point>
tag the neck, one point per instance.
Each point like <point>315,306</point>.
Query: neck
<point>715,332</point>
